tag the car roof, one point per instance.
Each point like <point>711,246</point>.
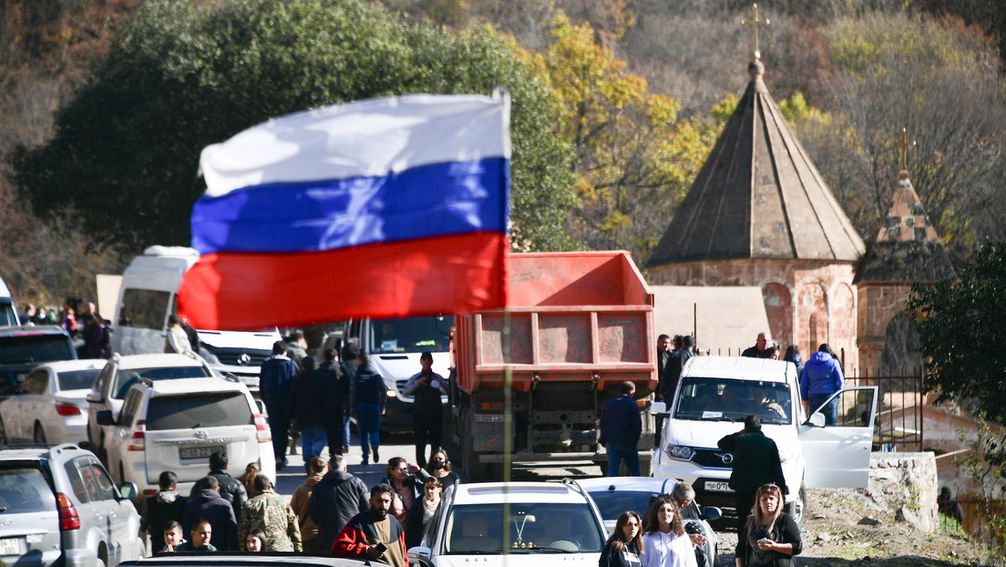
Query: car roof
<point>32,452</point>
<point>525,492</point>
<point>71,365</point>
<point>31,330</point>
<point>628,483</point>
<point>155,361</point>
<point>738,367</point>
<point>183,386</point>
<point>232,558</point>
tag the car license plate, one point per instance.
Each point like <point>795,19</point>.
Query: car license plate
<point>10,546</point>
<point>718,486</point>
<point>190,453</point>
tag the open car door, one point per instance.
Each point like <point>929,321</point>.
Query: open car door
<point>838,456</point>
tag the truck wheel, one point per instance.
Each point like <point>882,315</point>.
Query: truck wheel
<point>797,508</point>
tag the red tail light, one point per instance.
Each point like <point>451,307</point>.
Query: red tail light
<point>137,441</point>
<point>68,518</point>
<point>262,429</point>
<point>66,410</point>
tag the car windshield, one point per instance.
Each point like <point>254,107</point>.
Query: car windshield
<point>125,378</point>
<point>477,529</point>
<point>35,348</point>
<point>23,489</point>
<point>7,315</point>
<point>411,334</point>
<point>721,399</point>
<point>611,503</point>
<point>77,379</point>
<point>203,410</point>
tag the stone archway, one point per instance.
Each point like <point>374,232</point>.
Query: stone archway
<point>812,317</point>
<point>779,309</point>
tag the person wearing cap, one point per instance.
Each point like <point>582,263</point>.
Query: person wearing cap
<point>756,462</point>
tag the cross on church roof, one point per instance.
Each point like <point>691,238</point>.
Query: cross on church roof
<point>903,145</point>
<point>755,22</point>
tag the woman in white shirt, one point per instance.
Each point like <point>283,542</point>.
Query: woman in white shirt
<point>665,543</point>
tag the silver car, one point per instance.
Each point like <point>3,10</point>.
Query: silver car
<point>614,495</point>
<point>58,506</point>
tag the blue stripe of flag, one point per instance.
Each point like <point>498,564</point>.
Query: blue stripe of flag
<point>426,201</point>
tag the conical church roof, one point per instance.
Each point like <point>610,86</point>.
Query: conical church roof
<point>758,196</point>
<point>907,248</point>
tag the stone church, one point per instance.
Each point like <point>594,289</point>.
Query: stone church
<point>760,214</point>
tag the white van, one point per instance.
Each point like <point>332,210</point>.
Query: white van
<point>716,393</point>
<point>8,313</point>
<point>147,297</point>
<point>394,346</point>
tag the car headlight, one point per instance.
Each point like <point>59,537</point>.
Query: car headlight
<point>679,452</point>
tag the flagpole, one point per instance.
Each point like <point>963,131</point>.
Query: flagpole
<point>507,435</point>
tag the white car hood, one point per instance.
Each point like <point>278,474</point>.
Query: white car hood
<point>520,560</point>
<point>260,340</point>
<point>401,366</point>
<point>708,433</point>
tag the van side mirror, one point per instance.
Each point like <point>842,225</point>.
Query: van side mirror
<point>94,397</point>
<point>128,491</point>
<point>711,513</point>
<point>658,408</point>
<point>817,420</point>
<point>104,417</point>
<point>419,553</point>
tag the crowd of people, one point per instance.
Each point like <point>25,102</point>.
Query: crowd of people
<point>88,329</point>
<point>333,511</point>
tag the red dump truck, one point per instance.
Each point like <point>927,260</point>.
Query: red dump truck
<point>580,324</point>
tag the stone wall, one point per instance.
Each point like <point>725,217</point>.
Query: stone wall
<point>906,484</point>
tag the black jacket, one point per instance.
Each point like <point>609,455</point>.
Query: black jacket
<point>756,461</point>
<point>311,392</point>
<point>674,366</point>
<point>231,490</point>
<point>338,401</point>
<point>335,499</point>
<point>218,512</point>
<point>628,557</point>
<point>784,531</point>
<point>162,508</point>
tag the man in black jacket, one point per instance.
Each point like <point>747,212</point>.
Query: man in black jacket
<point>231,488</point>
<point>210,506</point>
<point>335,500</point>
<point>756,462</point>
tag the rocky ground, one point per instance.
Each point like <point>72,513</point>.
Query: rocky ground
<point>847,528</point>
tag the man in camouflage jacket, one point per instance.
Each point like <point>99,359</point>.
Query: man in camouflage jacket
<point>269,512</point>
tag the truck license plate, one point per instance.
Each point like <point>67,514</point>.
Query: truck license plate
<point>189,453</point>
<point>10,546</point>
<point>718,486</point>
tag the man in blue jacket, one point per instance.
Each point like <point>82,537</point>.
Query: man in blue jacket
<point>276,388</point>
<point>822,377</point>
<point>621,426</point>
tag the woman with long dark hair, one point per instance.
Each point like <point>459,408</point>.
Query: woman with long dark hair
<point>770,538</point>
<point>665,543</point>
<point>625,543</point>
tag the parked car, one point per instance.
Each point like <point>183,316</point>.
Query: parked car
<point>51,406</point>
<point>121,372</point>
<point>59,507</point>
<point>24,348</point>
<point>614,495</point>
<point>8,312</point>
<point>714,396</point>
<point>175,425</point>
<point>230,558</point>
<point>544,519</point>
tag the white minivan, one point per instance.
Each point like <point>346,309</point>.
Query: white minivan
<point>714,396</point>
<point>147,297</point>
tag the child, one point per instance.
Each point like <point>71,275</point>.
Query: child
<point>255,541</point>
<point>201,534</point>
<point>172,537</point>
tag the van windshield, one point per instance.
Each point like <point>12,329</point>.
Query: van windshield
<point>411,334</point>
<point>722,399</point>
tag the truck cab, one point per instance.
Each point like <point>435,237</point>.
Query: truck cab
<point>714,396</point>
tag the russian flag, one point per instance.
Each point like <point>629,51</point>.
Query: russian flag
<point>388,207</point>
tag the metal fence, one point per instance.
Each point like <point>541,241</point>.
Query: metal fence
<point>899,425</point>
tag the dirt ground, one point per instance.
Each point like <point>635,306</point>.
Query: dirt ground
<point>844,528</point>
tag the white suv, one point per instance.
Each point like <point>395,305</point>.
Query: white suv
<point>542,519</point>
<point>175,425</point>
<point>716,393</point>
<point>119,375</point>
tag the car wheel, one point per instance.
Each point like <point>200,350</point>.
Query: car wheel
<point>797,508</point>
<point>39,436</point>
<point>3,434</point>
